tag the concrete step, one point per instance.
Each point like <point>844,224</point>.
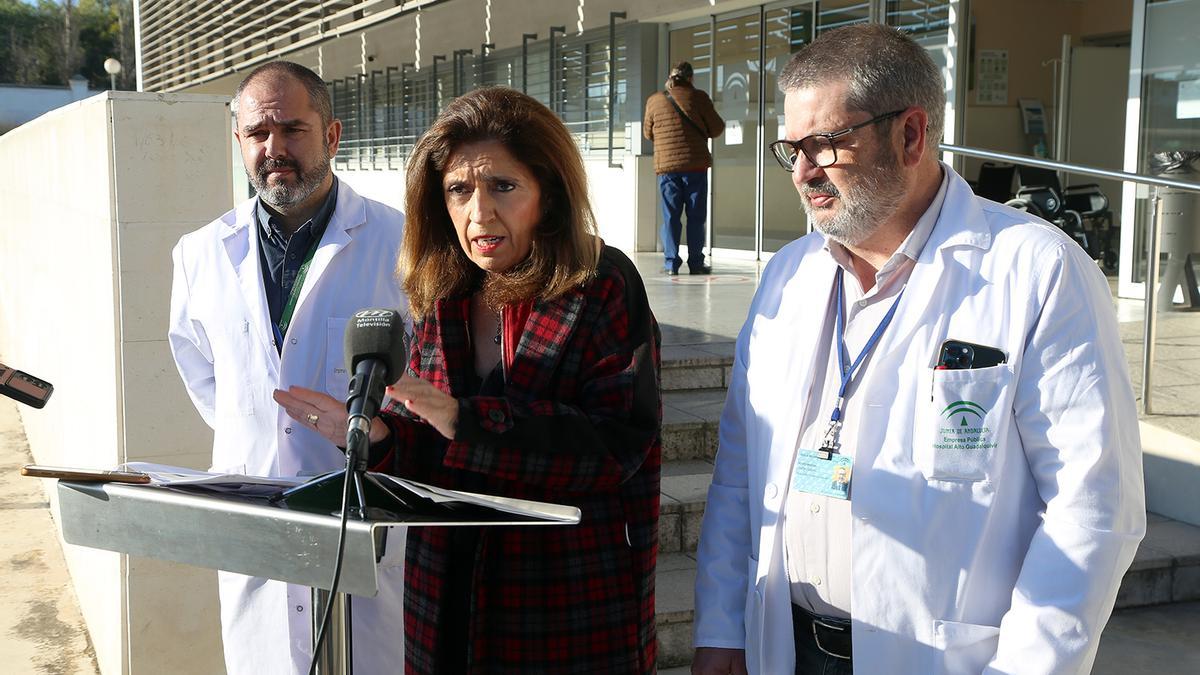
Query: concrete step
<point>1166,567</point>
<point>696,366</point>
<point>1165,570</point>
<point>684,490</point>
<point>690,423</point>
<point>674,606</point>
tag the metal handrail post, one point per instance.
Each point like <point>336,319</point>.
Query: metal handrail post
<point>358,116</point>
<point>612,79</point>
<point>437,84</point>
<point>460,76</point>
<point>389,117</point>
<point>525,38</point>
<point>334,102</point>
<point>483,50</point>
<point>550,66</point>
<point>372,104</point>
<point>1150,324</point>
<point>402,132</point>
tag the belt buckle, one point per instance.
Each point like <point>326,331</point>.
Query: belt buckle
<point>817,638</point>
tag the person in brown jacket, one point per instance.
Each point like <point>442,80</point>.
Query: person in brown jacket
<point>680,120</point>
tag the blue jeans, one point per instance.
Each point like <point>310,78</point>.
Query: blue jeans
<point>811,659</point>
<point>683,191</point>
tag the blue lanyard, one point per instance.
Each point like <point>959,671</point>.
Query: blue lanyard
<point>830,443</point>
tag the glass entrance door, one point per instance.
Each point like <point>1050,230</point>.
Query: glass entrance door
<point>737,57</point>
<point>787,30</point>
<point>737,95</point>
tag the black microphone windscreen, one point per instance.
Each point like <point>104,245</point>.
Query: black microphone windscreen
<point>377,334</point>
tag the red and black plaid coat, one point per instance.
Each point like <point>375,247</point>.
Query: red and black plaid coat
<point>579,423</point>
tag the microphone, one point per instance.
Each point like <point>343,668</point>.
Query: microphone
<point>376,348</point>
<point>24,387</point>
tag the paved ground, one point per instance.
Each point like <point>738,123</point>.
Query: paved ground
<point>1160,640</point>
<point>41,629</point>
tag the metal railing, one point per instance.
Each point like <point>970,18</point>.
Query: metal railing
<point>1150,324</point>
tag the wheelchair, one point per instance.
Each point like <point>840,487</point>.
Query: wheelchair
<point>994,182</point>
<point>1080,210</point>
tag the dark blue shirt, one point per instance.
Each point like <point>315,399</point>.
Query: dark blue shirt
<point>280,256</point>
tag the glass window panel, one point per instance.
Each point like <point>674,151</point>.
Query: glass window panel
<point>787,30</point>
<point>928,22</point>
<point>1170,119</point>
<point>919,17</point>
<point>837,13</point>
<point>736,152</point>
<point>694,45</point>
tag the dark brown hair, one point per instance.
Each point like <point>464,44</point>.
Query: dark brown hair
<point>318,91</point>
<point>566,246</point>
<point>681,73</point>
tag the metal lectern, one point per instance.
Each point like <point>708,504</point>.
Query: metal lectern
<point>257,538</point>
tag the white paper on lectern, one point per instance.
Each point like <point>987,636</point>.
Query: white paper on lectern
<point>520,507</point>
<point>164,475</point>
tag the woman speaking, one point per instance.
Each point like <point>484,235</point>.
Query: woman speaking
<point>533,374</point>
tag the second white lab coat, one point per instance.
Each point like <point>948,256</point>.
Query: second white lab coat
<point>1002,559</point>
<point>223,344</point>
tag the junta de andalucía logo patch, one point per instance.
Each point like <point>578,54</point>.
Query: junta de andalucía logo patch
<point>965,409</point>
<point>965,428</point>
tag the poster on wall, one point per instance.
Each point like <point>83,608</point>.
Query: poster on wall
<point>1187,106</point>
<point>991,86</point>
<point>733,132</point>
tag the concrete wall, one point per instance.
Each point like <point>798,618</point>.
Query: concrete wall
<point>96,193</point>
<point>1171,463</point>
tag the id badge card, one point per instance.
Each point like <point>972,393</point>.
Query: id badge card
<point>822,473</point>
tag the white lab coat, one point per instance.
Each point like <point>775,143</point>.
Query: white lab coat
<point>223,345</point>
<point>1001,560</point>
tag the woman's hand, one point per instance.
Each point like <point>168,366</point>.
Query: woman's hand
<point>323,413</point>
<point>428,402</point>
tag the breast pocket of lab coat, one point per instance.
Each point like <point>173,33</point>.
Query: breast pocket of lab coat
<point>961,423</point>
<point>337,378</point>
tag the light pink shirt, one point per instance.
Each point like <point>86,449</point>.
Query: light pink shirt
<point>816,529</point>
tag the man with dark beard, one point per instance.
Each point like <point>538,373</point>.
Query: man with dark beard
<point>259,302</point>
<point>929,458</point>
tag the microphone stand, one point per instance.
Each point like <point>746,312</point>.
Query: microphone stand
<point>316,495</point>
<point>373,499</point>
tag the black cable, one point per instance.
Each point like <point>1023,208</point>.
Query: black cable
<point>337,577</point>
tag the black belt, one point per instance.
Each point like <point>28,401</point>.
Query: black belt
<point>830,634</point>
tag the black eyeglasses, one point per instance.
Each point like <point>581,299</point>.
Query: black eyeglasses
<point>818,148</point>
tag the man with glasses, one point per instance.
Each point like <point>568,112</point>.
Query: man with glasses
<point>929,457</point>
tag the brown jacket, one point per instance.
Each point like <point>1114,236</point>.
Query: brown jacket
<point>678,146</point>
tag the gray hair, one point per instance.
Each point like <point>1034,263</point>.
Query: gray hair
<point>318,91</point>
<point>884,69</point>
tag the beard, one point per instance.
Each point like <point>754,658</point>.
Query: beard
<point>283,195</point>
<point>872,196</point>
